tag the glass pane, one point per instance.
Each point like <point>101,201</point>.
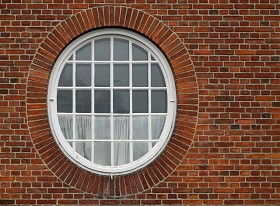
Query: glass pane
<point>102,153</point>
<point>83,127</point>
<point>66,126</point>
<point>154,143</point>
<point>121,101</point>
<point>159,101</point>
<point>140,75</point>
<point>102,127</point>
<point>152,58</point>
<point>83,101</point>
<point>71,58</point>
<point>102,101</point>
<point>157,126</point>
<point>84,53</point>
<point>84,149</point>
<point>138,53</point>
<point>121,153</point>
<point>102,75</point>
<point>83,75</point>
<point>121,127</point>
<point>140,128</point>
<point>121,49</point>
<point>157,76</point>
<point>140,101</point>
<point>102,50</point>
<point>139,150</point>
<point>66,77</point>
<point>121,75</point>
<point>64,101</point>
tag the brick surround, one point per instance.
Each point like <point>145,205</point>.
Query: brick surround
<point>225,57</point>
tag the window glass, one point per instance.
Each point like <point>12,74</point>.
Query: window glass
<point>84,53</point>
<point>83,75</point>
<point>102,102</point>
<point>121,49</point>
<point>102,49</point>
<point>112,101</point>
<point>64,101</point>
<point>121,75</point>
<point>121,102</point>
<point>83,101</point>
<point>157,76</point>
<point>140,101</point>
<point>140,75</point>
<point>140,127</point>
<point>102,153</point>
<point>138,53</point>
<point>159,104</point>
<point>102,75</point>
<point>66,79</point>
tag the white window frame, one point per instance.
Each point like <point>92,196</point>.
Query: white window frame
<point>171,104</point>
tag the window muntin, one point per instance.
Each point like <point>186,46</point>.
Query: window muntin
<point>112,105</point>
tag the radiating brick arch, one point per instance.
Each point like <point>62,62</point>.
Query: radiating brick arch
<point>187,96</point>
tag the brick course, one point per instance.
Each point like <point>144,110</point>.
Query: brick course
<point>225,59</point>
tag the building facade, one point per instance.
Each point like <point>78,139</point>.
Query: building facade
<point>223,146</point>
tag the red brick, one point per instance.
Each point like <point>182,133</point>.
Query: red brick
<point>224,56</point>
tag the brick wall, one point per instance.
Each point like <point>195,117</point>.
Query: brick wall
<point>225,55</point>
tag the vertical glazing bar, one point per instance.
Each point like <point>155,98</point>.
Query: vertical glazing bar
<point>111,100</point>
<point>149,102</point>
<point>92,101</point>
<point>74,101</point>
<point>130,105</point>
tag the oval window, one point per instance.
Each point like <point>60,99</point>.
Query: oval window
<point>112,101</point>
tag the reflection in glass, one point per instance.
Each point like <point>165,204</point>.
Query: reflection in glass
<point>83,127</point>
<point>138,53</point>
<point>140,101</point>
<point>120,49</point>
<point>157,76</point>
<point>83,101</point>
<point>102,50</point>
<point>66,77</point>
<point>139,150</point>
<point>84,149</point>
<point>64,101</point>
<point>102,127</point>
<point>121,153</point>
<point>84,53</point>
<point>159,101</point>
<point>121,101</point>
<point>140,75</point>
<point>83,75</point>
<point>140,128</point>
<point>102,75</point>
<point>157,126</point>
<point>102,101</point>
<point>66,126</point>
<point>102,153</point>
<point>121,75</point>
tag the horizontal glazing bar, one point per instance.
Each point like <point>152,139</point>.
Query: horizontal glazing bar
<point>104,140</point>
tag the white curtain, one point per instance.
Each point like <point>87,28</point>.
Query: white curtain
<point>140,128</point>
<point>102,149</point>
<point>66,125</point>
<point>157,126</point>
<point>83,132</point>
<point>102,128</point>
<point>121,132</point>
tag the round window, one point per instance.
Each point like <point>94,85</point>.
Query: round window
<point>112,101</point>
